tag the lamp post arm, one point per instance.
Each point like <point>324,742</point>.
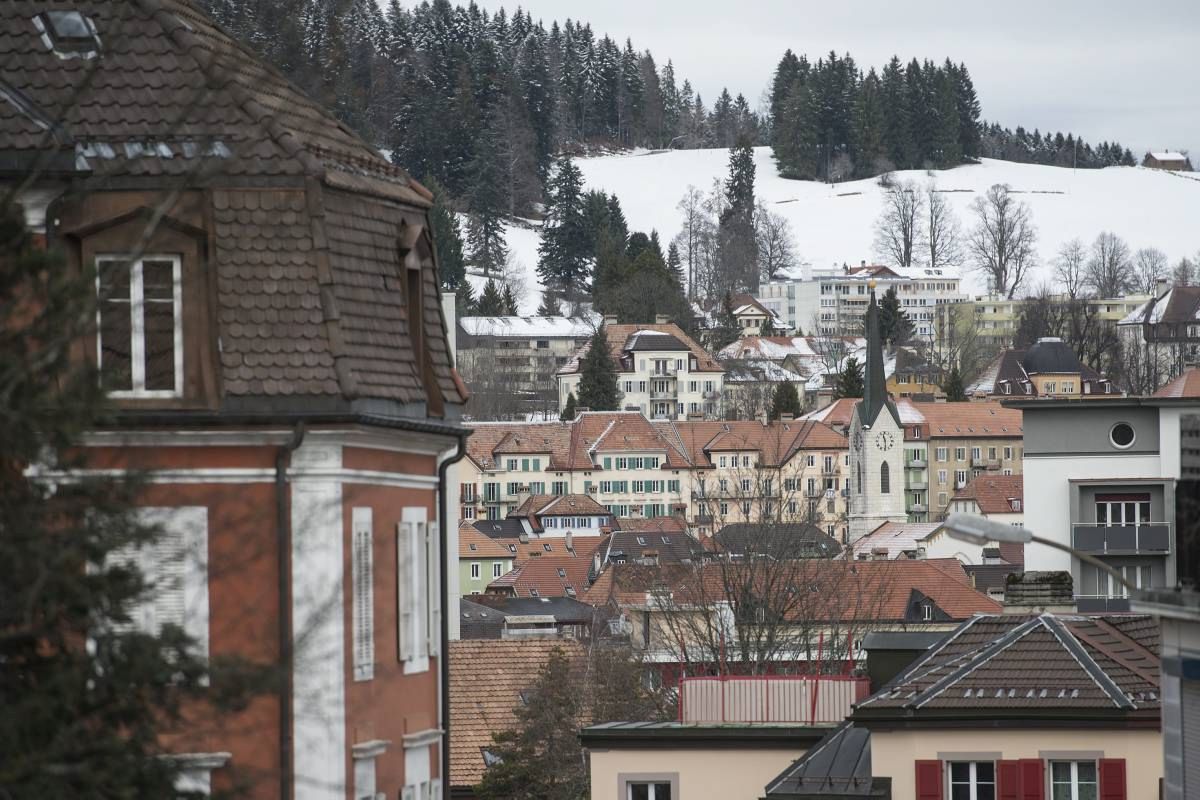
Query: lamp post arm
<point>1090,559</point>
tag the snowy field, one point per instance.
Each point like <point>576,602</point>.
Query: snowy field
<point>834,224</point>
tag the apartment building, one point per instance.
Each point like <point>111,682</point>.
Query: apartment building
<point>1050,368</point>
<point>661,372</point>
<point>834,302</point>
<point>995,319</point>
<point>520,354</point>
<point>952,445</point>
<point>1165,330</point>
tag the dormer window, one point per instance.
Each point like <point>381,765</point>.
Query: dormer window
<point>68,34</point>
<point>140,322</point>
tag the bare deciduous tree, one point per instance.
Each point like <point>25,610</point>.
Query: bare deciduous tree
<point>689,237</point>
<point>896,230</point>
<point>776,247</point>
<point>941,235</point>
<point>1150,266</point>
<point>1002,243</point>
<point>1069,267</point>
<point>1108,267</point>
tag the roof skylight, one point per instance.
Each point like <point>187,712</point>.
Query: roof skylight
<point>68,34</point>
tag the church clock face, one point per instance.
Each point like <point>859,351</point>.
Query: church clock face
<point>885,441</point>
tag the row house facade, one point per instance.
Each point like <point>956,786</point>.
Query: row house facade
<point>1165,332</point>
<point>661,372</point>
<point>268,322</point>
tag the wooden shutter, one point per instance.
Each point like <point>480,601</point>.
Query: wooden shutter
<point>1008,780</point>
<point>404,537</point>
<point>929,780</point>
<point>433,634</point>
<point>363,580</point>
<point>419,590</point>
<point>1112,779</point>
<point>1033,779</point>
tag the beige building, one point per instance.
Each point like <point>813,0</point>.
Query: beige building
<point>661,372</point>
<point>993,321</point>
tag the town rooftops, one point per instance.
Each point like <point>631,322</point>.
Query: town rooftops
<point>625,339</point>
<point>775,539</point>
<point>306,228</point>
<point>893,539</point>
<point>529,327</point>
<point>560,505</point>
<point>473,543</point>
<point>1186,385</point>
<point>1010,372</point>
<point>548,576</point>
<point>1181,304</point>
<point>995,494</point>
<point>487,678</point>
<point>1022,666</point>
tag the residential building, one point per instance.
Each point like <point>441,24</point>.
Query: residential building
<point>948,445</point>
<point>481,559</point>
<point>1008,706</point>
<point>834,302</point>
<point>1165,332</point>
<point>751,316</point>
<point>497,617</point>
<point>661,372</point>
<point>487,680</point>
<point>876,479</point>
<point>992,322</point>
<point>1100,476</point>
<point>893,540</point>
<point>911,375</point>
<point>750,388</point>
<point>519,356</point>
<point>1000,498</point>
<point>1049,368</point>
<point>1167,159</point>
<point>660,540</point>
<point>548,576</point>
<point>269,323</point>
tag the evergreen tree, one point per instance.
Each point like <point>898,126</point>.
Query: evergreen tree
<point>955,391</point>
<point>947,148</point>
<point>568,412</point>
<point>786,401</point>
<point>738,246</point>
<point>564,250</point>
<point>849,382</point>
<point>598,389</point>
<point>491,301</point>
<point>894,324</point>
<point>485,230</point>
<point>447,240</point>
<point>87,693</point>
<point>675,264</point>
<point>549,306</point>
<point>870,149</point>
<point>509,301</point>
<point>464,300</point>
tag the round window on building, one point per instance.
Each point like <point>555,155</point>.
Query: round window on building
<point>1122,435</point>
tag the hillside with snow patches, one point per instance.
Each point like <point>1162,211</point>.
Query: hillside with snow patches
<point>834,224</point>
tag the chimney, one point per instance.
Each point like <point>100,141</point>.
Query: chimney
<point>610,319</point>
<point>661,319</point>
<point>448,311</point>
<point>1161,287</point>
<point>863,263</point>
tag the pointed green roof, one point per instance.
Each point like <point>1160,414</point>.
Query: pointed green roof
<point>875,396</point>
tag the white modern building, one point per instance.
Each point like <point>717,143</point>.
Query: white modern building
<point>834,300</point>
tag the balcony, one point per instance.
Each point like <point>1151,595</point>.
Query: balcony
<point>660,417</point>
<point>985,463</point>
<point>663,372</point>
<point>1148,537</point>
<point>663,394</point>
<point>918,508</point>
<point>814,494</point>
<point>711,395</point>
<point>918,486</point>
<point>916,463</point>
<point>1097,604</point>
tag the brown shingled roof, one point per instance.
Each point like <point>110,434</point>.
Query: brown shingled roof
<point>549,576</point>
<point>473,544</point>
<point>994,493</point>
<point>618,340</point>
<point>973,420</point>
<point>560,506</point>
<point>996,664</point>
<point>1186,385</point>
<point>487,677</point>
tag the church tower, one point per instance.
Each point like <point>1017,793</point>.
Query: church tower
<point>876,480</point>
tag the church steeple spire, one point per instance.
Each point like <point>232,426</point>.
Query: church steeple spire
<point>875,396</point>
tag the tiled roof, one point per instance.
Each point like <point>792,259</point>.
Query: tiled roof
<point>542,546</point>
<point>533,438</point>
<point>781,540</point>
<point>474,544</point>
<point>477,621</point>
<point>669,544</point>
<point>667,525</point>
<point>548,576</point>
<point>895,538</point>
<point>621,337</point>
<point>837,414</point>
<point>543,505</point>
<point>306,217</point>
<point>572,445</point>
<point>970,420</point>
<point>486,681</point>
<point>996,664</point>
<point>1186,385</point>
<point>1006,374</point>
<point>994,493</point>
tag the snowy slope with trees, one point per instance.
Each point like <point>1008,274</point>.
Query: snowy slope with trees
<point>835,223</point>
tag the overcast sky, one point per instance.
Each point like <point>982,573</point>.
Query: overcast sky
<point>1103,69</point>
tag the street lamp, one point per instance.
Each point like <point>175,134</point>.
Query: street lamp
<point>979,530</point>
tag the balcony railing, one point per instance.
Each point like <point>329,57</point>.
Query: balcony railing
<point>918,508</point>
<point>985,463</point>
<point>712,395</point>
<point>770,699</point>
<point>1098,604</point>
<point>663,372</point>
<point>662,394</point>
<point>916,463</point>
<point>1146,537</point>
<point>918,486</point>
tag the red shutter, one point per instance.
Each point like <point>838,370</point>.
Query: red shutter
<point>929,780</point>
<point>1008,780</point>
<point>1112,779</point>
<point>1033,780</point>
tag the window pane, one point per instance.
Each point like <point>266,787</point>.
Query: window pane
<point>639,791</point>
<point>158,280</point>
<point>1087,791</point>
<point>1060,771</point>
<point>160,345</point>
<point>662,791</point>
<point>985,772</point>
<point>1087,771</point>
<point>960,771</point>
<point>985,791</point>
<point>1062,791</point>
<point>960,791</point>
<point>116,330</point>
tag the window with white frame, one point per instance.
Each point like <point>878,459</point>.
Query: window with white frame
<point>418,785</point>
<point>497,569</point>
<point>140,323</point>
<point>363,580</point>
<point>419,619</point>
<point>652,789</point>
<point>475,571</point>
<point>941,453</point>
<point>972,780</point>
<point>174,564</point>
<point>1073,780</point>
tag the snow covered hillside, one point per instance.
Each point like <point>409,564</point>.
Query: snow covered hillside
<point>834,224</point>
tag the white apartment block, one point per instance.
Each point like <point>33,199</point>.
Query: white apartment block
<point>661,372</point>
<point>834,301</point>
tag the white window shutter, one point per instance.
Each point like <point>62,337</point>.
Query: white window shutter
<point>409,793</point>
<point>435,789</point>
<point>363,573</point>
<point>404,537</point>
<point>419,586</point>
<point>433,586</point>
<point>169,553</point>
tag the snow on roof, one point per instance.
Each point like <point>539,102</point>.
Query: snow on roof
<point>755,371</point>
<point>567,327</point>
<point>1169,155</point>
